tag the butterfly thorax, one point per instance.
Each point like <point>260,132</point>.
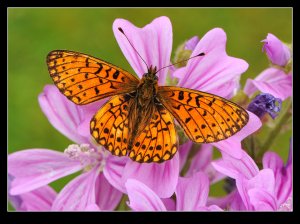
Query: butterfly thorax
<point>145,102</point>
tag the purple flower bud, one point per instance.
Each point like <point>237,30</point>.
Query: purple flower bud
<point>277,52</point>
<point>265,103</point>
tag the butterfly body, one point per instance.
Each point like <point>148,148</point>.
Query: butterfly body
<point>138,120</point>
<point>143,105</point>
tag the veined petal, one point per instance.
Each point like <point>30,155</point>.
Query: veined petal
<point>237,203</point>
<point>216,68</point>
<point>166,174</point>
<point>192,192</point>
<point>264,180</point>
<point>273,81</point>
<point>184,150</point>
<point>222,202</point>
<point>40,199</point>
<point>142,198</point>
<point>277,52</point>
<point>283,176</point>
<point>79,193</point>
<point>233,167</point>
<point>107,197</point>
<point>63,114</point>
<point>92,207</point>
<point>169,204</point>
<point>113,171</point>
<point>262,200</point>
<point>34,168</point>
<point>214,208</point>
<point>232,145</point>
<point>201,160</point>
<point>153,42</point>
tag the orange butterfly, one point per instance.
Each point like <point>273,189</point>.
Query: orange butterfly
<point>138,120</point>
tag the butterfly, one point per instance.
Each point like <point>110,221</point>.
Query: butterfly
<point>138,119</point>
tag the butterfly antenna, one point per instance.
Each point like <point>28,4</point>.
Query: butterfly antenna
<point>201,54</point>
<point>121,30</point>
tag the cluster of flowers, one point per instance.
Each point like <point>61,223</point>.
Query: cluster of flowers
<point>104,178</point>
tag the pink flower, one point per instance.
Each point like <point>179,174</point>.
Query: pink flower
<point>277,52</point>
<point>35,168</point>
<point>191,195</point>
<point>283,174</point>
<point>273,81</point>
<point>216,72</point>
<point>259,190</point>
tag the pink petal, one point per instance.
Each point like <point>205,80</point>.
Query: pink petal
<point>264,180</point>
<point>283,176</point>
<point>92,207</point>
<point>237,203</point>
<point>166,174</point>
<point>79,193</point>
<point>40,199</point>
<point>232,145</point>
<point>201,160</point>
<point>277,52</point>
<point>222,202</point>
<point>192,192</point>
<point>210,208</point>
<point>153,42</point>
<point>184,151</point>
<point>34,168</point>
<point>216,68</point>
<point>233,167</point>
<point>262,200</point>
<point>63,114</point>
<point>272,160</point>
<point>273,81</point>
<point>107,197</point>
<point>113,171</point>
<point>142,198</point>
<point>191,43</point>
<point>169,204</point>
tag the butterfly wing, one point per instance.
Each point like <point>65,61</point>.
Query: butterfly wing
<point>109,126</point>
<point>204,117</point>
<point>85,79</point>
<point>158,141</point>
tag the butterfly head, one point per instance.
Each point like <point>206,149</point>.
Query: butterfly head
<point>151,76</point>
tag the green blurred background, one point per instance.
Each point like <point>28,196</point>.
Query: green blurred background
<point>33,32</point>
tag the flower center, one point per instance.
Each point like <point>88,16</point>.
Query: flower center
<point>87,156</point>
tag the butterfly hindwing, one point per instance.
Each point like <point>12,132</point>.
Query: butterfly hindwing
<point>158,141</point>
<point>109,126</point>
<point>204,117</point>
<point>85,79</point>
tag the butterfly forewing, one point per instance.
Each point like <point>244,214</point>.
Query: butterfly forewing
<point>204,117</point>
<point>85,79</point>
<point>158,141</point>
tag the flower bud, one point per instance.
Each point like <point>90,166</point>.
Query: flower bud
<point>265,103</point>
<point>277,52</point>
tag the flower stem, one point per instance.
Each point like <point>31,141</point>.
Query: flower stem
<point>273,134</point>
